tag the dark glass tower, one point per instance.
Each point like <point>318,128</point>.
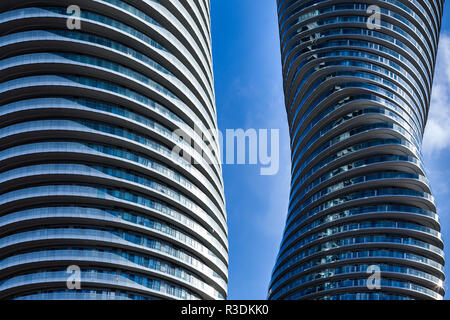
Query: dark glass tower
<point>88,174</point>
<point>357,91</point>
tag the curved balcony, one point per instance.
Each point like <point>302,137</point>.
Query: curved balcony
<point>357,100</point>
<point>109,152</point>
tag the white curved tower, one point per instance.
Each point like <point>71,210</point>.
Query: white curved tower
<point>88,175</point>
<point>357,97</point>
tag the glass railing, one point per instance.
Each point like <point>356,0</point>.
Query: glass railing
<point>352,149</point>
<point>124,217</point>
<point>351,241</point>
<point>352,269</point>
<point>355,44</point>
<point>354,211</point>
<point>124,259</point>
<point>379,176</point>
<point>350,116</point>
<point>347,85</point>
<point>365,194</point>
<point>353,54</point>
<point>361,8</point>
<point>349,63</point>
<point>111,151</point>
<point>362,19</point>
<point>365,227</point>
<point>320,148</point>
<point>130,281</point>
<point>384,159</point>
<point>63,35</point>
<point>101,172</point>
<point>362,283</point>
<point>363,32</point>
<point>92,126</point>
<point>113,195</point>
<point>395,256</point>
<point>118,237</point>
<point>364,296</point>
<point>82,125</point>
<point>83,294</point>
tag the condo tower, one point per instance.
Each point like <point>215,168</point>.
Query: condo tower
<point>362,222</point>
<point>97,197</point>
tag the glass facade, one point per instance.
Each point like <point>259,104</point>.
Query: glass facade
<point>89,177</point>
<point>357,79</point>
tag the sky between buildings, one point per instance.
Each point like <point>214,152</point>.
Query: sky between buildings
<point>249,94</point>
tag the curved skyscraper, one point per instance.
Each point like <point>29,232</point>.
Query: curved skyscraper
<point>95,200</point>
<point>362,222</point>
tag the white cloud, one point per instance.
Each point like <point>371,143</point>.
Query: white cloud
<point>437,133</point>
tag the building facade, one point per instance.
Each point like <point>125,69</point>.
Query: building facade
<point>99,198</point>
<point>362,222</point>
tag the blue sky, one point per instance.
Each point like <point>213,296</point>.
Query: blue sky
<point>249,94</point>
